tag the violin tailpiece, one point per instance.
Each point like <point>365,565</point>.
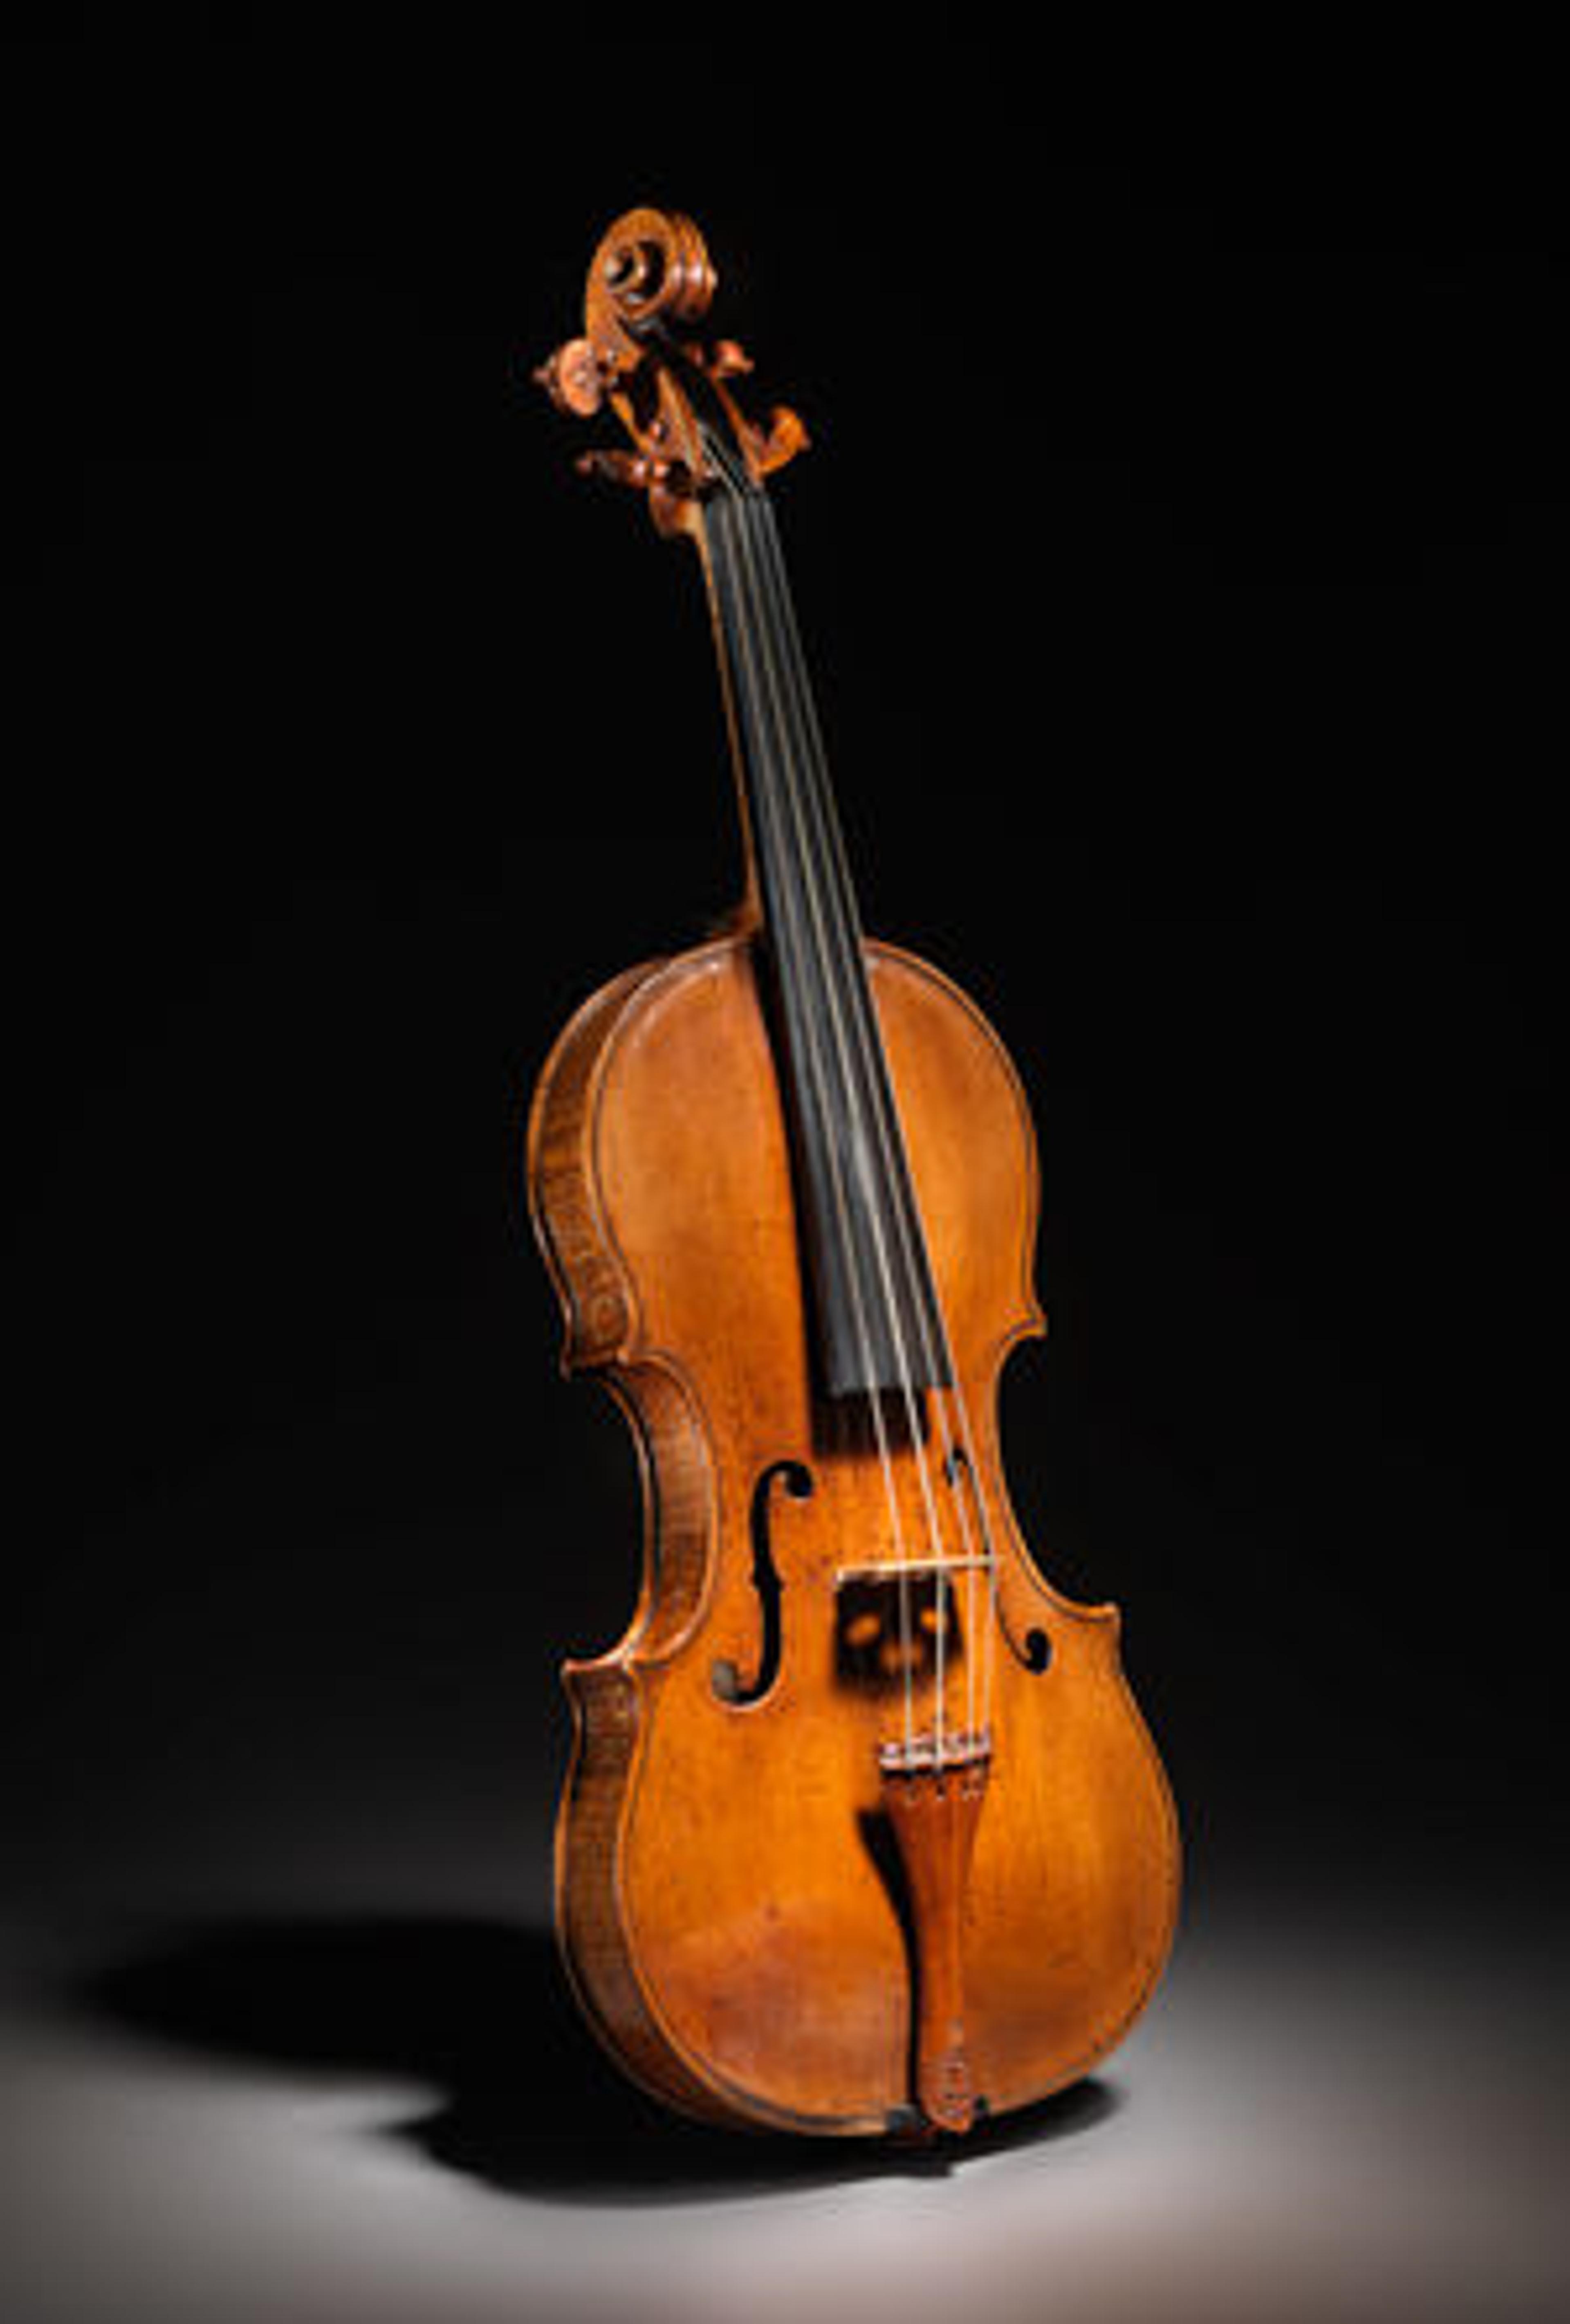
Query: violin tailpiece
<point>932,1799</point>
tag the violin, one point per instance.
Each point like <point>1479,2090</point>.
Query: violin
<point>863,1832</point>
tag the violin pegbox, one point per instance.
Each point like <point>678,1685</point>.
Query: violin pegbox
<point>650,281</point>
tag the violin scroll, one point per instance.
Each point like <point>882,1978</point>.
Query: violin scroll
<point>650,281</point>
<point>650,266</point>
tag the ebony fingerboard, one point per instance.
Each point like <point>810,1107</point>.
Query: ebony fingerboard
<point>876,1315</point>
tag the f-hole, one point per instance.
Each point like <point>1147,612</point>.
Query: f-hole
<point>1035,1649</point>
<point>724,1677</point>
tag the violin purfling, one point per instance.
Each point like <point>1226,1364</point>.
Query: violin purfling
<point>863,1832</point>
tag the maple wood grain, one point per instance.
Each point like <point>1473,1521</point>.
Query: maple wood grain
<point>731,1901</point>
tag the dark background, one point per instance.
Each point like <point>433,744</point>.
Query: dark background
<point>1180,561</point>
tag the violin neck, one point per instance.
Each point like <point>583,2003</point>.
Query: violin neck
<point>879,1326</point>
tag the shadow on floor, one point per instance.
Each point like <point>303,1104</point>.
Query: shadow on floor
<point>480,2009</point>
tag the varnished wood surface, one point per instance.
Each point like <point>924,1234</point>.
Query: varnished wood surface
<point>729,1903</point>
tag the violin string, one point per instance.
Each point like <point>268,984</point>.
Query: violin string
<point>965,1480</point>
<point>808,774</point>
<point>811,854</point>
<point>757,628</point>
<point>879,1098</point>
<point>746,497</point>
<point>859,1066</point>
<point>752,669</point>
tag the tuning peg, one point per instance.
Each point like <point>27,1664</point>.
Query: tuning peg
<point>728,360</point>
<point>781,440</point>
<point>574,378</point>
<point>635,468</point>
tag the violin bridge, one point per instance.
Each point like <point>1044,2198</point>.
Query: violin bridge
<point>894,1618</point>
<point>932,1791</point>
